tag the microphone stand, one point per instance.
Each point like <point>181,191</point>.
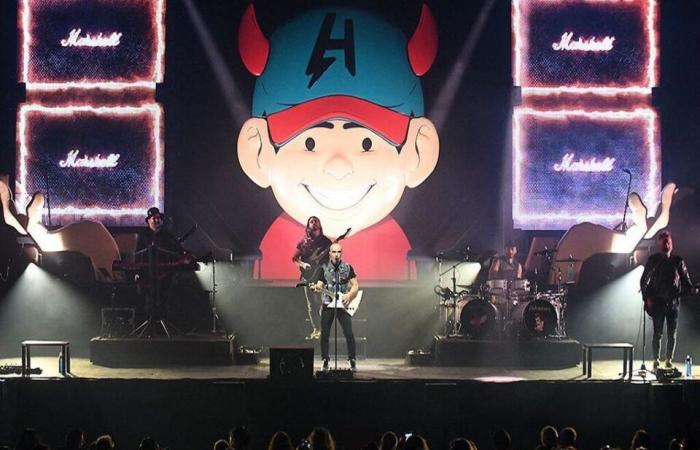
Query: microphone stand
<point>642,372</point>
<point>623,224</point>
<point>455,327</point>
<point>335,312</point>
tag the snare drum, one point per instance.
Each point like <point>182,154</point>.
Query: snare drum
<point>478,318</point>
<point>521,287</point>
<point>538,318</point>
<point>497,287</point>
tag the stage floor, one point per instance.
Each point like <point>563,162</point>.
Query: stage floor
<point>368,370</point>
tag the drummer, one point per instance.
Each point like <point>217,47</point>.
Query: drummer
<point>506,267</point>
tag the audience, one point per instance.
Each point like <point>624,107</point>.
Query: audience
<point>104,442</point>
<point>567,438</point>
<point>640,440</point>
<point>321,438</point>
<point>75,440</point>
<point>239,438</point>
<point>415,442</point>
<point>221,444</point>
<point>549,438</point>
<point>280,441</point>
<point>148,443</point>
<point>501,440</point>
<point>389,441</point>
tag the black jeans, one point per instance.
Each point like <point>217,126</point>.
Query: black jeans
<point>670,316</point>
<point>345,320</point>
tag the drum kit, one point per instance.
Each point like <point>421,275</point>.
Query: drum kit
<point>504,309</point>
<point>501,309</point>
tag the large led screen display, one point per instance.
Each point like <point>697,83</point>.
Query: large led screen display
<point>100,163</point>
<point>585,46</point>
<point>572,166</point>
<point>91,43</point>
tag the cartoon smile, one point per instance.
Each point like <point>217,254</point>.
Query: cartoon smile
<point>338,200</point>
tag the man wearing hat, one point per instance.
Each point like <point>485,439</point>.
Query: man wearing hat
<point>156,234</point>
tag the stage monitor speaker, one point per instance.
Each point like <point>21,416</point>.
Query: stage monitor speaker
<point>291,364</point>
<point>71,266</point>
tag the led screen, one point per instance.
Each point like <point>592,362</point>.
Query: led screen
<point>569,166</point>
<point>100,163</point>
<point>601,46</point>
<point>91,43</point>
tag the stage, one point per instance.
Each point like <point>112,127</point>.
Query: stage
<point>371,369</point>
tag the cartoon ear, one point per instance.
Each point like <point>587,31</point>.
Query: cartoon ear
<point>421,151</point>
<point>255,150</point>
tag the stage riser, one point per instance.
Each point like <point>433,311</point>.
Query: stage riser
<point>118,352</point>
<point>531,354</point>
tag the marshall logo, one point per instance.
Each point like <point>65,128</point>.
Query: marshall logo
<point>74,39</point>
<point>593,44</point>
<point>91,162</point>
<point>318,63</point>
<point>568,164</point>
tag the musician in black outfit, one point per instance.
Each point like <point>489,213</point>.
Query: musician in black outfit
<point>158,234</point>
<point>506,267</point>
<point>170,289</point>
<point>337,275</point>
<point>664,280</point>
<point>313,242</point>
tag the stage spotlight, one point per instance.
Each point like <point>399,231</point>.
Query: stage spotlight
<point>238,109</point>
<point>43,306</point>
<point>610,313</point>
<point>448,94</point>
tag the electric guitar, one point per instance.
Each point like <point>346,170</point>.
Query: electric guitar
<point>317,256</point>
<point>655,306</point>
<point>351,308</point>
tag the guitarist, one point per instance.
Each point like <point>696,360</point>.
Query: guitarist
<point>664,280</point>
<point>337,275</point>
<point>314,244</point>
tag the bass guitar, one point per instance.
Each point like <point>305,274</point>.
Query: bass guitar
<point>655,306</point>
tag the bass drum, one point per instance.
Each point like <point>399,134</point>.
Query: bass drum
<point>538,318</point>
<point>478,318</point>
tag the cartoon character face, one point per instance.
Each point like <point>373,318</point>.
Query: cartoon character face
<point>337,130</point>
<point>347,175</point>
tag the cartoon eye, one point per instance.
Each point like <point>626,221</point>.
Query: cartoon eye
<point>367,144</point>
<point>310,144</point>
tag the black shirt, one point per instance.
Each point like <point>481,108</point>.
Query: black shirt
<point>665,278</point>
<point>306,248</point>
<point>170,248</point>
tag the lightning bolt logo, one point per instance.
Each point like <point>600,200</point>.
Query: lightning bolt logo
<point>319,63</point>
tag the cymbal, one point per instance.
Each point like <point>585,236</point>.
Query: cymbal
<point>570,260</point>
<point>464,286</point>
<point>547,251</point>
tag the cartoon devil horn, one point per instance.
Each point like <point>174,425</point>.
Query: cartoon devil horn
<point>252,43</point>
<point>422,47</point>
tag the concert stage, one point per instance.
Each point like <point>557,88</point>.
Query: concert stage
<point>437,402</point>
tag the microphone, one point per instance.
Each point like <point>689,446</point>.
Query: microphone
<point>627,171</point>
